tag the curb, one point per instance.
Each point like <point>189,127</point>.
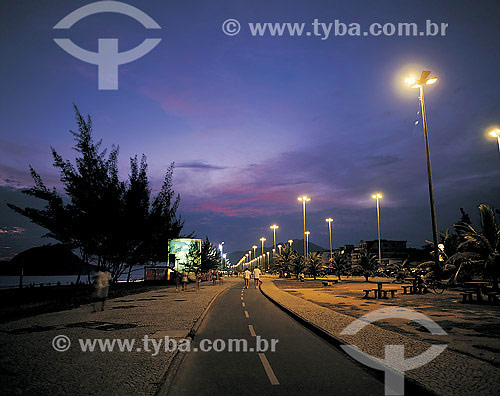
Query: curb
<point>175,363</point>
<point>418,388</point>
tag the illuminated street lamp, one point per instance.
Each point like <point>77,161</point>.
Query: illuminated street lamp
<point>290,241</point>
<point>254,247</point>
<point>279,247</point>
<point>329,221</point>
<point>414,83</point>
<point>378,197</point>
<point>274,227</point>
<point>262,240</point>
<point>307,241</point>
<point>496,133</point>
<point>304,199</point>
<point>268,262</point>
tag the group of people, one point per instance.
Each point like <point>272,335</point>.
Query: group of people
<point>256,277</point>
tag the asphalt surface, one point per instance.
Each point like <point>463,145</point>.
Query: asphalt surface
<point>302,363</point>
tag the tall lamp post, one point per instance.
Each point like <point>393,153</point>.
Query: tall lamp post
<point>274,227</point>
<point>496,133</point>
<point>307,242</point>
<point>304,199</point>
<point>254,247</point>
<point>279,247</point>
<point>268,262</point>
<point>329,221</point>
<point>290,241</point>
<point>262,240</point>
<point>413,83</point>
<point>378,197</point>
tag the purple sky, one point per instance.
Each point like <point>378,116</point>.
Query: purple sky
<point>253,122</point>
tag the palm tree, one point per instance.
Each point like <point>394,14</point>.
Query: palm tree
<point>484,243</point>
<point>315,264</point>
<point>298,265</point>
<point>339,263</point>
<point>367,264</point>
<point>283,262</point>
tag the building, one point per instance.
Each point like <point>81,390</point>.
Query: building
<point>391,250</point>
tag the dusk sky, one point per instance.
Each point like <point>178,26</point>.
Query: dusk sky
<point>253,122</point>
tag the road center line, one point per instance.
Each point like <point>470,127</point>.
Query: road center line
<point>246,314</point>
<point>252,331</point>
<point>269,371</point>
<point>242,304</point>
<point>242,298</point>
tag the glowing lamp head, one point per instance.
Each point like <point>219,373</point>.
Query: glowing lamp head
<point>495,133</point>
<point>377,196</point>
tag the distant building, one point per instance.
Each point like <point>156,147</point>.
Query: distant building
<point>392,251</point>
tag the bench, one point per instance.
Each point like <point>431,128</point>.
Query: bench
<point>406,287</point>
<point>467,296</point>
<point>367,293</point>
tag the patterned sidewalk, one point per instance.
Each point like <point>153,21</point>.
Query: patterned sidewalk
<point>450,374</point>
<point>29,365</point>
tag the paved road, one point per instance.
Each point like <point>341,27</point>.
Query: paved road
<point>303,364</point>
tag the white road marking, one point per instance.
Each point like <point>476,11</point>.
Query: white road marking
<point>252,331</point>
<point>246,314</point>
<point>269,371</point>
<point>242,298</point>
<point>242,304</point>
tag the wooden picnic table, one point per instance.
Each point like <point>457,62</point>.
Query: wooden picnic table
<point>477,285</point>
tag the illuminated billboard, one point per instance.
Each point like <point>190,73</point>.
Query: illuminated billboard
<point>178,252</point>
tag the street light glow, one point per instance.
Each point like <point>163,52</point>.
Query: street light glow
<point>424,79</point>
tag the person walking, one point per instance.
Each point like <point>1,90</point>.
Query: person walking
<point>256,276</point>
<point>246,276</point>
<point>184,280</point>
<point>198,280</point>
<point>101,288</point>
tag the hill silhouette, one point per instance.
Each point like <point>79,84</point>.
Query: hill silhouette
<point>45,261</point>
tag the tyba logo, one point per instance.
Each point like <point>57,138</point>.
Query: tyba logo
<point>107,58</point>
<point>394,363</point>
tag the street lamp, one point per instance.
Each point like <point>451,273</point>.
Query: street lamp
<point>378,197</point>
<point>290,241</point>
<point>279,247</point>
<point>496,133</point>
<point>274,227</point>
<point>304,199</point>
<point>413,83</point>
<point>268,262</point>
<point>307,241</point>
<point>329,221</point>
<point>262,240</point>
<point>254,247</point>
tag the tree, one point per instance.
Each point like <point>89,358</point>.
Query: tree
<point>315,264</point>
<point>340,263</point>
<point>282,262</point>
<point>484,243</point>
<point>194,257</point>
<point>367,265</point>
<point>298,265</point>
<point>111,222</point>
<point>210,258</point>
